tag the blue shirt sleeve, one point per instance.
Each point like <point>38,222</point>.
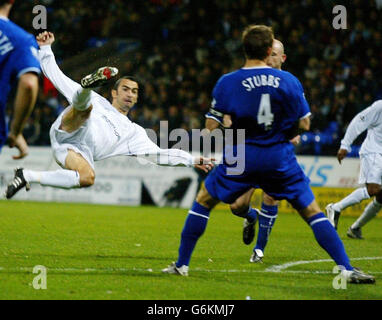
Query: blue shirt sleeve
<point>298,99</point>
<point>25,59</point>
<point>218,106</point>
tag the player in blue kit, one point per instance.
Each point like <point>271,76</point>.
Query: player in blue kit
<point>270,105</point>
<point>242,206</point>
<point>19,66</point>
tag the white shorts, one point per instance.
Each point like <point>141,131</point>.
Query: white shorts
<point>95,143</point>
<point>63,141</point>
<point>371,168</point>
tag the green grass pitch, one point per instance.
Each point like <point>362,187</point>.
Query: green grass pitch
<point>110,252</point>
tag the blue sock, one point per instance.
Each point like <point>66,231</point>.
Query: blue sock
<point>193,229</point>
<point>267,218</point>
<point>327,237</point>
<point>251,215</point>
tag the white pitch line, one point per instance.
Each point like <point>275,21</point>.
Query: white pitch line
<point>282,267</point>
<point>272,269</point>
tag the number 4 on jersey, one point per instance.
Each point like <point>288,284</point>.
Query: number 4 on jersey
<point>265,115</point>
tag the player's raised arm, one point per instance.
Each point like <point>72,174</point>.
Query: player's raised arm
<point>361,122</point>
<point>176,157</point>
<point>169,157</point>
<point>49,66</point>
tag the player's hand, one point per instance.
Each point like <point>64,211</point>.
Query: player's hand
<point>296,140</point>
<point>204,164</point>
<point>227,121</point>
<point>20,143</point>
<point>341,154</point>
<point>45,38</point>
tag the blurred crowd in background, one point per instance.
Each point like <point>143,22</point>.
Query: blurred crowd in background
<point>186,45</point>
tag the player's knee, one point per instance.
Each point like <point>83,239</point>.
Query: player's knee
<point>242,213</point>
<point>239,209</point>
<point>269,201</point>
<point>310,210</point>
<point>87,178</point>
<point>373,189</point>
<point>84,115</point>
<point>205,199</point>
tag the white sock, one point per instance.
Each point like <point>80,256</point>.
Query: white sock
<point>355,197</point>
<point>65,179</point>
<point>81,99</point>
<point>369,213</point>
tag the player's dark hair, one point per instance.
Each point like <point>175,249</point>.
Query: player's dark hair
<point>257,39</point>
<point>3,2</point>
<point>116,85</point>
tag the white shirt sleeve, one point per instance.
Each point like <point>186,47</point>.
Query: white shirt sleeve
<point>168,157</point>
<point>49,66</point>
<point>174,157</point>
<point>364,120</point>
<point>144,148</point>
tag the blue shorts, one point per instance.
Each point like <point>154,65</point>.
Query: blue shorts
<point>274,169</point>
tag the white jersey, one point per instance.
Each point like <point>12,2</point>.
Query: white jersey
<point>369,119</point>
<point>107,132</point>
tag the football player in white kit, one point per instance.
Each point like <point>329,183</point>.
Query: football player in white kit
<point>370,175</point>
<point>92,129</point>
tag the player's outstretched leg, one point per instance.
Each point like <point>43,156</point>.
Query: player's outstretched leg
<point>249,226</point>
<point>332,215</point>
<point>17,184</point>
<point>77,174</point>
<point>250,218</point>
<point>193,229</point>
<point>327,237</point>
<point>368,214</point>
<point>99,77</point>
<point>81,109</point>
<point>354,233</point>
<point>267,218</point>
<point>242,208</point>
<point>64,179</point>
<point>333,211</point>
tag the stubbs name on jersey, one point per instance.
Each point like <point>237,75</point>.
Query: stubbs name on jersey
<point>261,81</point>
<point>5,44</point>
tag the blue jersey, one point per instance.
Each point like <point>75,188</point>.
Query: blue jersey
<point>18,55</point>
<point>265,102</point>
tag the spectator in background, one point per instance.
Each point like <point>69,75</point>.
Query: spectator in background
<point>187,45</point>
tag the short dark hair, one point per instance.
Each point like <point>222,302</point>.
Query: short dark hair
<point>118,82</point>
<point>257,39</point>
<point>3,2</point>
